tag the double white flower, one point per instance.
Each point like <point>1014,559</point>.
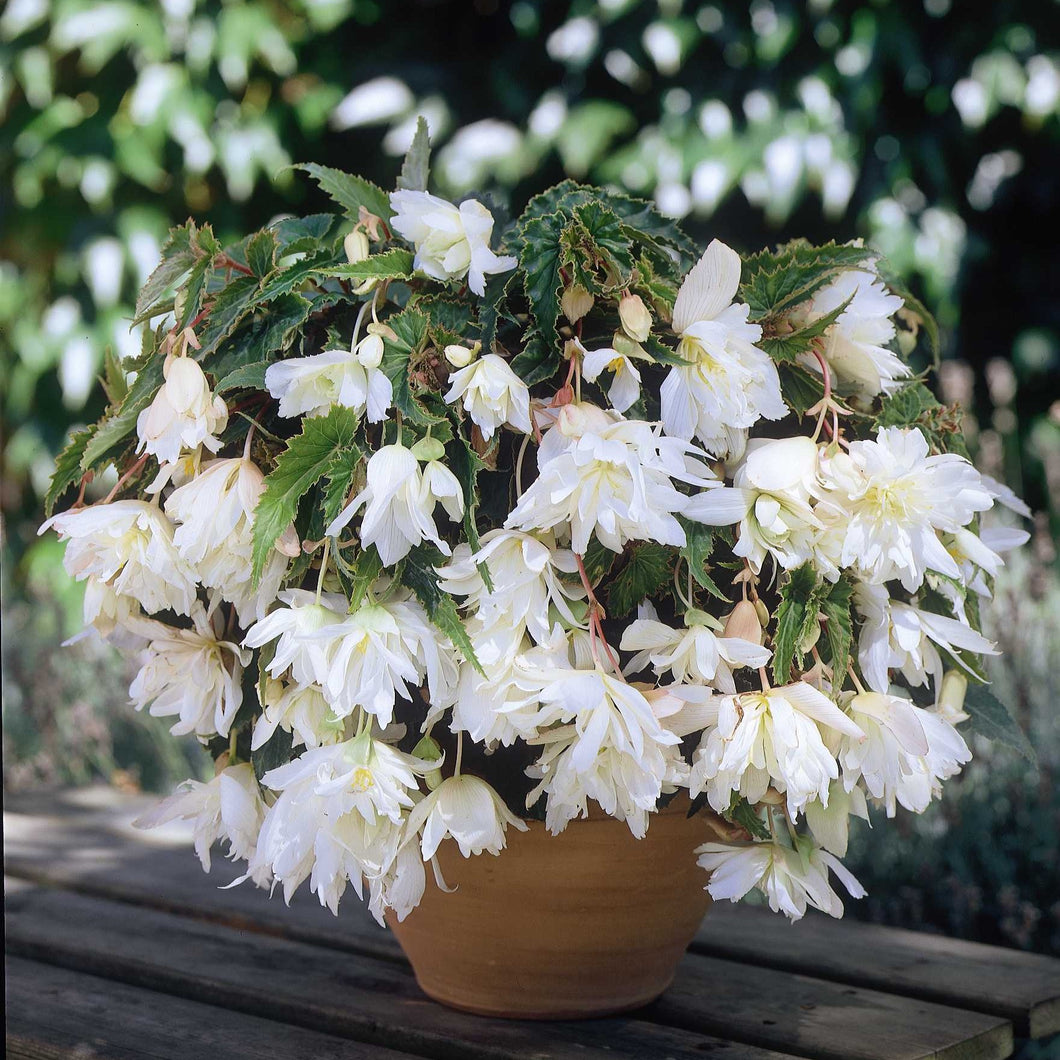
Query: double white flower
<point>492,394</point>
<point>451,241</point>
<point>399,501</point>
<point>729,383</point>
<point>609,477</point>
<point>128,546</point>
<point>183,415</point>
<point>215,534</point>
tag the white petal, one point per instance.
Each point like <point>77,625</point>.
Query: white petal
<point>709,287</point>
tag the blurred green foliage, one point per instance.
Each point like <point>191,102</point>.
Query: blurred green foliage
<point>928,130</point>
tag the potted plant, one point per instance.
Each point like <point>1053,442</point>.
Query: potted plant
<point>444,535</point>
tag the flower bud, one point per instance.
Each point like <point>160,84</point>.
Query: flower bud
<point>743,623</point>
<point>370,351</point>
<point>356,246</point>
<point>951,696</point>
<point>636,320</point>
<point>427,449</point>
<point>694,617</point>
<point>461,356</point>
<point>576,302</point>
<point>762,611</point>
<point>429,751</point>
<point>626,346</point>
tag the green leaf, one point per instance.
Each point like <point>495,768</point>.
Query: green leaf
<point>447,321</point>
<point>261,252</point>
<point>232,303</point>
<point>350,192</point>
<point>796,599</point>
<point>340,481</point>
<point>598,561</point>
<point>246,377</point>
<point>284,281</point>
<point>466,464</point>
<point>418,574</point>
<point>908,406</point>
<point>178,256</point>
<point>258,340</point>
<point>416,167</point>
<point>304,235</point>
<point>115,384</point>
<point>117,426</point>
<point>791,346</point>
<point>275,752</point>
<point>990,717</point>
<point>801,389</point>
<point>646,572</point>
<point>596,249</point>
<point>699,543</point>
<point>539,258</point>
<point>68,468</point>
<point>538,360</point>
<point>741,812</point>
<point>839,630</point>
<point>410,329</point>
<point>391,264</point>
<point>309,457</point>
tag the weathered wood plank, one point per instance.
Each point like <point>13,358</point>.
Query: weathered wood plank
<point>85,840</point>
<point>55,1014</point>
<point>1022,987</point>
<point>335,993</point>
<point>377,1000</point>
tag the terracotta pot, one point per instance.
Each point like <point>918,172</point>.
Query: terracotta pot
<point>589,922</point>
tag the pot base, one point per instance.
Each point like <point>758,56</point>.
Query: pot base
<point>588,923</point>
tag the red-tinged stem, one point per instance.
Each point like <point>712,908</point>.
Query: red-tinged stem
<point>596,630</point>
<point>230,263</point>
<point>125,478</point>
<point>826,373</point>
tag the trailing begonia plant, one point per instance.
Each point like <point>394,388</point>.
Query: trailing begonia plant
<point>427,524</point>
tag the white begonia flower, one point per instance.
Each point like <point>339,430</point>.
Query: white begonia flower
<point>906,753</point>
<point>340,816</point>
<point>228,807</point>
<point>526,573</point>
<point>855,346</point>
<point>191,674</point>
<point>467,809</point>
<point>771,498</point>
<point>729,383</point>
<point>451,241</point>
<point>301,710</point>
<point>183,415</point>
<point>625,386</point>
<point>291,627</point>
<point>635,317</point>
<point>611,478</point>
<point>215,534</point>
<point>694,655</point>
<point>399,502</point>
<point>376,652</point>
<point>769,738</point>
<point>128,546</point>
<point>831,824</point>
<point>899,636</point>
<point>350,379</point>
<point>492,394</point>
<point>888,498</point>
<point>400,885</point>
<point>114,616</point>
<point>790,879</point>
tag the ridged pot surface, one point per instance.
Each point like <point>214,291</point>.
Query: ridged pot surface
<point>589,922</point>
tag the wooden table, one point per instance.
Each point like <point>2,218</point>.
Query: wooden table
<point>120,947</point>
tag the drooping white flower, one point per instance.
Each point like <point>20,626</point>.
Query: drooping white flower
<point>228,808</point>
<point>399,886</point>
<point>467,809</point>
<point>492,394</point>
<point>527,578</point>
<point>399,504</point>
<point>899,636</point>
<point>291,625</point>
<point>301,710</point>
<point>790,879</point>
<point>451,241</point>
<point>729,383</point>
<point>215,534</point>
<point>855,346</point>
<point>611,478</point>
<point>128,546</point>
<point>906,753</point>
<point>694,654</point>
<point>889,498</point>
<point>183,415</point>
<point>771,498</point>
<point>769,738</point>
<point>378,651</point>
<point>625,384</point>
<point>193,675</point>
<point>830,824</point>
<point>350,379</point>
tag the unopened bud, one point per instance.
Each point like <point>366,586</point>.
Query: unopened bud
<point>370,351</point>
<point>427,449</point>
<point>695,617</point>
<point>743,623</point>
<point>384,331</point>
<point>762,611</point>
<point>626,346</point>
<point>636,320</point>
<point>356,246</point>
<point>576,302</point>
<point>428,751</point>
<point>951,696</point>
<point>461,356</point>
